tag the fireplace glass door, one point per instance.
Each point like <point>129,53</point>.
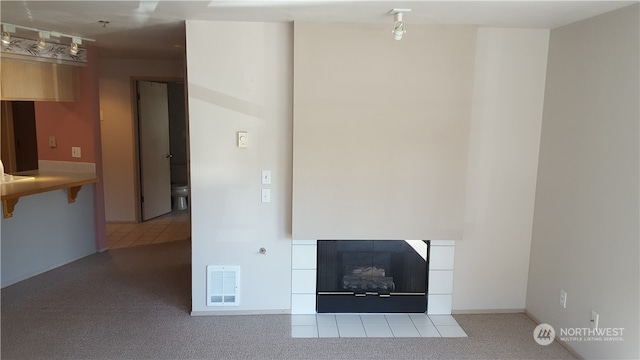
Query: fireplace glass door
<point>372,275</point>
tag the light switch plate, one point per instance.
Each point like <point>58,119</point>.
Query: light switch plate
<point>242,139</point>
<point>266,195</point>
<point>266,177</point>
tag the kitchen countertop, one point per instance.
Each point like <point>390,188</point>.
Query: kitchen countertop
<point>43,181</point>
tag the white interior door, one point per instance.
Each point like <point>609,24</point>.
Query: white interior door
<point>155,171</point>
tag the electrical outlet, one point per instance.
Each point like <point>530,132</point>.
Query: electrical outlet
<point>563,299</point>
<point>75,152</point>
<point>595,317</point>
<point>52,142</point>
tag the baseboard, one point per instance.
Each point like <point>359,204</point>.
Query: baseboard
<point>535,319</point>
<point>487,311</point>
<point>241,312</point>
<point>287,311</point>
<point>562,343</point>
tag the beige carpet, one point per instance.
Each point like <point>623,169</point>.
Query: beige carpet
<point>134,303</point>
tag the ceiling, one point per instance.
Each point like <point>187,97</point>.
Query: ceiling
<point>155,29</point>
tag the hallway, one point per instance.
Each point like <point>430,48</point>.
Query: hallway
<point>170,227</point>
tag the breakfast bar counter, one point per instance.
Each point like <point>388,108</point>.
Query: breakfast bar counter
<point>49,220</point>
<point>36,181</point>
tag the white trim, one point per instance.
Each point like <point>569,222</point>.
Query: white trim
<point>487,311</point>
<point>66,166</point>
<point>241,312</point>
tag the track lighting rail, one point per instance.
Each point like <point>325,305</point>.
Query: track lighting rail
<point>42,36</point>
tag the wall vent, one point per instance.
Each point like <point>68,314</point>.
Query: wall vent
<point>223,285</point>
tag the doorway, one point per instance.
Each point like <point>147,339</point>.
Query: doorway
<point>162,144</point>
<point>19,138</point>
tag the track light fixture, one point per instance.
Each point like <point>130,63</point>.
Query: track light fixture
<point>398,24</point>
<point>6,38</point>
<point>73,49</point>
<point>398,27</point>
<point>42,43</point>
<point>75,43</point>
<point>6,33</point>
<point>43,37</point>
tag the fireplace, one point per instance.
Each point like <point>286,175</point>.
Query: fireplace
<point>380,276</point>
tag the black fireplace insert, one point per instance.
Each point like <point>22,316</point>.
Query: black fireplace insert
<point>365,276</point>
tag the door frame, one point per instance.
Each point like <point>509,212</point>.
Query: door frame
<point>133,80</point>
<point>7,138</point>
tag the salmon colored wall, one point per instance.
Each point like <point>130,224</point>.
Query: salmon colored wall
<point>72,123</point>
<point>77,124</point>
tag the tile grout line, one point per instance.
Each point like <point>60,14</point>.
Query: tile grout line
<point>170,227</point>
<point>388,326</point>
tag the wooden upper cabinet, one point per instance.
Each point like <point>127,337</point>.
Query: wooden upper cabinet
<point>38,81</point>
<point>66,81</point>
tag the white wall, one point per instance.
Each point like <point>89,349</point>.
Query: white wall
<point>241,81</point>
<point>247,87</point>
<point>118,129</point>
<point>381,131</point>
<point>492,263</point>
<point>227,94</point>
<point>585,232</point>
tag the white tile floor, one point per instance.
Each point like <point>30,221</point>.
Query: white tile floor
<point>173,226</point>
<point>374,325</point>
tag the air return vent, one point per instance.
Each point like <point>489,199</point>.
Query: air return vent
<point>223,285</point>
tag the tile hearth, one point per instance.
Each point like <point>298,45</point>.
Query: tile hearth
<point>374,325</point>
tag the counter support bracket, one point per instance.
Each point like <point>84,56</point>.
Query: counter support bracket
<point>72,193</point>
<point>72,182</point>
<point>8,205</point>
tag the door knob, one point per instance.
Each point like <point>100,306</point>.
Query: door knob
<point>169,156</point>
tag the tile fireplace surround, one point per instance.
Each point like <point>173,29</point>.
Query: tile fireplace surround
<point>303,277</point>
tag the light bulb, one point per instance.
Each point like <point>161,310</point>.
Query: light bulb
<point>41,44</point>
<point>74,49</point>
<point>6,38</point>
